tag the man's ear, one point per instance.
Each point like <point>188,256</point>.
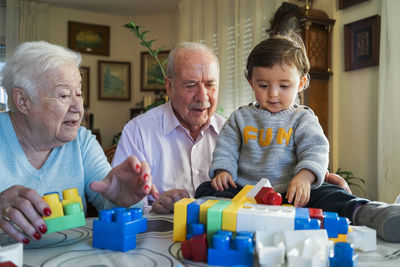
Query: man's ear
<point>21,100</point>
<point>302,84</point>
<point>168,86</point>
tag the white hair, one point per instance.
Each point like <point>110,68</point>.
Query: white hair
<point>29,63</point>
<point>186,46</point>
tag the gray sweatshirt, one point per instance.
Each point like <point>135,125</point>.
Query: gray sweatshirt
<point>255,143</point>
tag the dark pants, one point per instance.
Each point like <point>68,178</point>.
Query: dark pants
<point>327,197</point>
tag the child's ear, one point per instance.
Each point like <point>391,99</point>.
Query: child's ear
<point>302,84</point>
<point>250,82</point>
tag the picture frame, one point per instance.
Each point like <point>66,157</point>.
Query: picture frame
<point>114,80</point>
<point>89,38</point>
<point>151,75</point>
<point>361,43</point>
<point>348,3</point>
<point>85,73</point>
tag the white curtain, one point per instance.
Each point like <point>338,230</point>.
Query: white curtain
<point>388,104</point>
<point>26,20</point>
<point>231,28</point>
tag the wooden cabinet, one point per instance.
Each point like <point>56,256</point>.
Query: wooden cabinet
<point>315,28</point>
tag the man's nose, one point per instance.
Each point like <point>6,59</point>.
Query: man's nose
<point>202,93</point>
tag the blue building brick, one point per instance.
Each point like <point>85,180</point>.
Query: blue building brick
<point>343,256</point>
<point>116,229</point>
<point>303,221</point>
<point>228,251</point>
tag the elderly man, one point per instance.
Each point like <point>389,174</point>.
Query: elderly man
<point>177,138</point>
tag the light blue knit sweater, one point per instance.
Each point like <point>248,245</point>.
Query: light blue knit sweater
<point>255,144</point>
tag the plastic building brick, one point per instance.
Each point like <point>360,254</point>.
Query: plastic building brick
<point>242,195</point>
<point>264,182</point>
<point>66,214</point>
<point>193,211</point>
<point>317,214</point>
<point>71,196</point>
<point>195,249</point>
<point>229,216</point>
<point>253,217</point>
<point>116,229</point>
<point>214,217</point>
<point>228,251</point>
<point>307,248</point>
<point>362,238</point>
<point>304,222</point>
<point>335,225</point>
<point>204,208</point>
<point>53,200</point>
<point>195,229</point>
<point>344,256</point>
<point>7,264</point>
<point>12,253</point>
<point>268,196</point>
<point>270,249</point>
<point>180,216</point>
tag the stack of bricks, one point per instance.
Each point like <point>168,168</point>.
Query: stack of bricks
<point>65,214</point>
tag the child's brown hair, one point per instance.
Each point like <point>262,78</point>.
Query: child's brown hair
<point>284,49</point>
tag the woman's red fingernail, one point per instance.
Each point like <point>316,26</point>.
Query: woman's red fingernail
<point>137,167</point>
<point>47,211</point>
<point>43,228</point>
<point>37,236</point>
<point>146,188</point>
<point>145,177</point>
<point>157,194</point>
<point>25,241</point>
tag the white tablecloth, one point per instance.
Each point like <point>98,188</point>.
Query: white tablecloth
<point>155,247</point>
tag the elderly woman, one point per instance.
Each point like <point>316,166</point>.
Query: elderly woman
<point>44,149</point>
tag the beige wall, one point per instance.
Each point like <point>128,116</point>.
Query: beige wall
<point>111,116</point>
<point>353,102</point>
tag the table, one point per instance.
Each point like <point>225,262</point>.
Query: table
<point>155,247</point>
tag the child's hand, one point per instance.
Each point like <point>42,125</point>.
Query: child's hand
<point>300,187</point>
<point>221,180</point>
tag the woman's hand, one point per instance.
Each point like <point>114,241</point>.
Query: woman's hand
<point>127,183</point>
<point>22,209</point>
<point>221,180</point>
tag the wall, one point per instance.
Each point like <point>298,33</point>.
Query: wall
<point>111,116</point>
<point>353,102</point>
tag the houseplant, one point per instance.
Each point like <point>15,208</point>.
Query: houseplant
<point>141,35</point>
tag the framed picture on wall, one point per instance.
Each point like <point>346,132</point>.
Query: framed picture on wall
<point>114,80</point>
<point>85,85</point>
<point>361,43</point>
<point>151,75</point>
<point>89,38</point>
<point>348,3</point>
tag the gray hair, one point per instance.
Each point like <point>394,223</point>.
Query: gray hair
<point>186,46</point>
<point>25,68</point>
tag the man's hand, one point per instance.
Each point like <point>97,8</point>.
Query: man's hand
<point>333,178</point>
<point>221,180</point>
<point>165,203</point>
<point>127,183</point>
<point>299,188</point>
